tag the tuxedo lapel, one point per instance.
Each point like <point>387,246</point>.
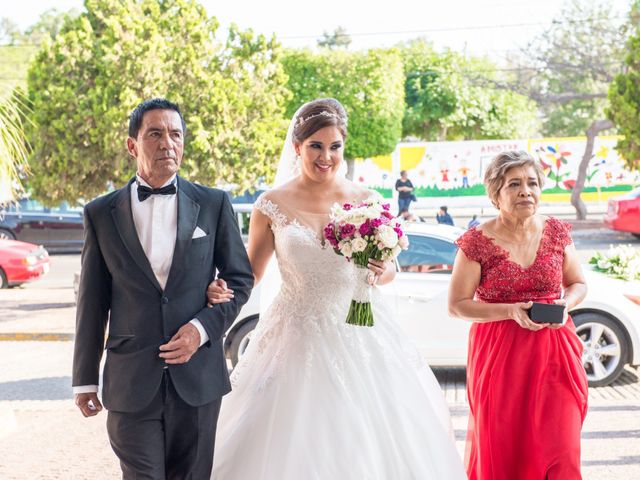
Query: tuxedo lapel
<point>188,209</point>
<point>123,219</point>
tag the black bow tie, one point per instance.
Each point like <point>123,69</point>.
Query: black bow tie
<point>145,192</point>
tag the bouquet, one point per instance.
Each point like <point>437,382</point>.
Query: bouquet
<point>619,262</point>
<point>359,232</point>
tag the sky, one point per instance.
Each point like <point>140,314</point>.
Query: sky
<point>491,27</point>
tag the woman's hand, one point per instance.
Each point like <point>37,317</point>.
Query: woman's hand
<point>518,313</point>
<point>217,292</point>
<point>565,316</point>
<point>376,269</point>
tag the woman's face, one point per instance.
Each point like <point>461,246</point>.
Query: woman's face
<point>321,154</point>
<point>520,193</point>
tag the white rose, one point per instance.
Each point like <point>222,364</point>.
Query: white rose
<point>345,249</point>
<point>358,245</point>
<point>387,236</point>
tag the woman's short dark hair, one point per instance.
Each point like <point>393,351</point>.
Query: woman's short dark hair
<point>135,119</point>
<point>318,114</point>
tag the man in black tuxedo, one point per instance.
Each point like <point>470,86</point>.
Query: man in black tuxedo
<point>151,248</point>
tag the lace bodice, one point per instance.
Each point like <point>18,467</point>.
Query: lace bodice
<point>503,280</point>
<point>313,276</point>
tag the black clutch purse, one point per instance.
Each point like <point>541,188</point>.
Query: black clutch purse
<point>546,312</point>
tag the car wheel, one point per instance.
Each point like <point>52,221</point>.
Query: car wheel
<point>6,235</point>
<point>241,339</point>
<point>3,279</point>
<point>606,347</point>
<point>637,235</point>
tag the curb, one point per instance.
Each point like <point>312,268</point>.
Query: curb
<point>36,337</point>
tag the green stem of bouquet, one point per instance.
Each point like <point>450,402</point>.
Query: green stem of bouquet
<point>360,314</point>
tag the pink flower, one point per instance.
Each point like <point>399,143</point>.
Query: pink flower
<point>398,231</point>
<point>385,206</point>
<point>376,222</point>
<point>347,206</point>
<point>387,214</point>
<point>365,228</point>
<point>347,230</point>
<point>329,234</point>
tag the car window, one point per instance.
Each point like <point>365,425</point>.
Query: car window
<point>427,255</point>
<point>28,206</point>
<point>65,208</point>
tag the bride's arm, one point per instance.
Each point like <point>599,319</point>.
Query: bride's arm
<point>260,249</point>
<point>261,243</point>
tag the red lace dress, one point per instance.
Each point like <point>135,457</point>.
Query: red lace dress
<point>527,390</point>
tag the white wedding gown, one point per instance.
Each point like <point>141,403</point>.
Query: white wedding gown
<point>317,399</point>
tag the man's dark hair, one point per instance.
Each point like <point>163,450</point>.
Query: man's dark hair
<point>444,208</point>
<point>135,119</point>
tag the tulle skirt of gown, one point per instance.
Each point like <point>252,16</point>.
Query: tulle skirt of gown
<point>317,399</point>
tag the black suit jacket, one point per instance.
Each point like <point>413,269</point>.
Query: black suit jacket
<point>119,288</point>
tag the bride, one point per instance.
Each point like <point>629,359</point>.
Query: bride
<point>315,398</point>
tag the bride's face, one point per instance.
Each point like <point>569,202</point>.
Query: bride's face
<point>321,154</point>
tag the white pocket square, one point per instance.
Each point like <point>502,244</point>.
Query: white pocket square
<point>198,232</point>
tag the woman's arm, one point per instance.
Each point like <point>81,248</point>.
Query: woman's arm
<point>573,281</point>
<point>464,282</point>
<point>261,243</point>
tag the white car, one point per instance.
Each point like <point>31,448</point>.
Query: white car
<point>607,321</point>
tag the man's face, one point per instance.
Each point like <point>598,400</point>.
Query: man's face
<point>159,146</point>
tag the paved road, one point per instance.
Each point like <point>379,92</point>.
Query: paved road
<point>43,436</point>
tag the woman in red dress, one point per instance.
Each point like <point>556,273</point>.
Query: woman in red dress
<point>526,384</point>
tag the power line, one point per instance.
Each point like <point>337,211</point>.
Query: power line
<point>454,29</point>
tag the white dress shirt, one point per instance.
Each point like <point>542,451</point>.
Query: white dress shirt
<point>156,222</point>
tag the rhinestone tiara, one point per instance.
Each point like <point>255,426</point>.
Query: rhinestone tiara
<point>324,113</point>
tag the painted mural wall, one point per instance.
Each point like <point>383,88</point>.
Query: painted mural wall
<point>452,169</point>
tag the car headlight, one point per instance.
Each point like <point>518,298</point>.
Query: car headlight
<point>30,259</point>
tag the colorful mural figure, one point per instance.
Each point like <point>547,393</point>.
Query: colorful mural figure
<point>452,169</point>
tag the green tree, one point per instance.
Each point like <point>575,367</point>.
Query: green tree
<point>567,69</point>
<point>13,147</point>
<point>624,96</point>
<point>48,26</point>
<point>368,84</point>
<point>103,63</point>
<point>338,39</point>
<point>451,97</point>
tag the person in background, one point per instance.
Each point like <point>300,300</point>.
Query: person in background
<point>473,222</point>
<point>407,216</point>
<point>404,187</point>
<point>444,217</point>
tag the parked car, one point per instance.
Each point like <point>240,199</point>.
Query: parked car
<point>58,229</point>
<point>21,262</point>
<point>607,321</point>
<point>623,213</point>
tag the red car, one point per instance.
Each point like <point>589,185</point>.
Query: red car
<point>21,262</point>
<point>624,213</point>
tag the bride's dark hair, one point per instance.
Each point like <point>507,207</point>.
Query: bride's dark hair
<point>318,114</point>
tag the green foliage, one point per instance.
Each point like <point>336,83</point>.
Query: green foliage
<point>368,84</point>
<point>103,63</point>
<point>13,148</point>
<point>449,97</point>
<point>14,63</point>
<point>577,57</point>
<point>338,39</point>
<point>624,98</point>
